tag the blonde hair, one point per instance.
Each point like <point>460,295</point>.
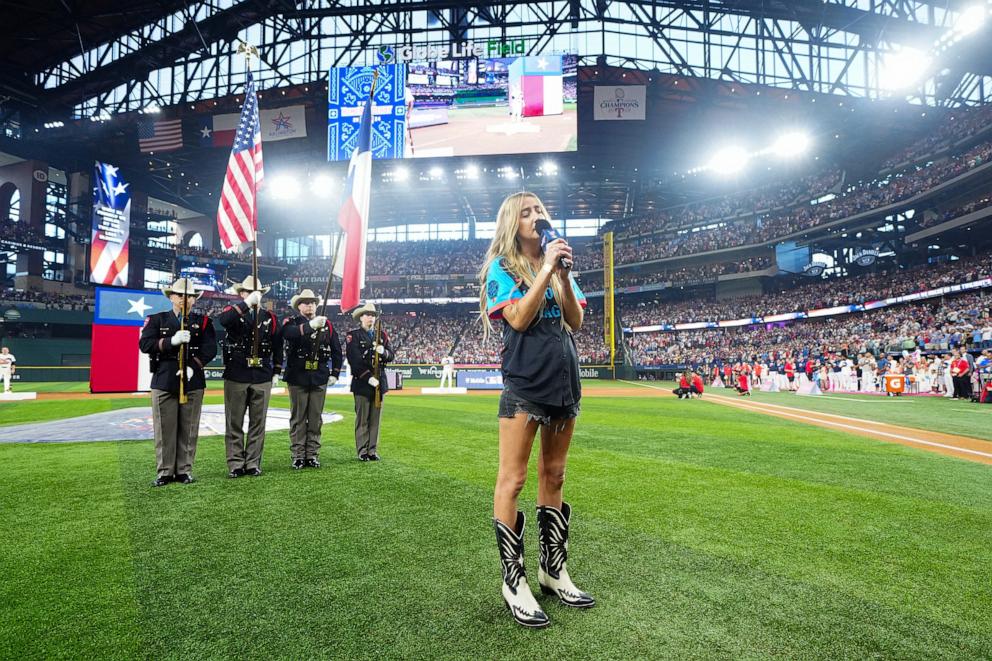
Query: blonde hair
<point>506,246</point>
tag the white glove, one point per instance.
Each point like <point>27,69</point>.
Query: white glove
<point>181,337</point>
<point>253,298</point>
<point>275,380</point>
<point>374,382</point>
<point>318,322</point>
<point>189,373</point>
<point>332,381</point>
<point>379,349</point>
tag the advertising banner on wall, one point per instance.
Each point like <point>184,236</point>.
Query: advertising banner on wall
<point>111,227</point>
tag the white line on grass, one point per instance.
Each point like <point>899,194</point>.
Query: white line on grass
<point>755,406</point>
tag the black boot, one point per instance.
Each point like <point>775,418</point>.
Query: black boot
<point>516,593</point>
<point>552,535</point>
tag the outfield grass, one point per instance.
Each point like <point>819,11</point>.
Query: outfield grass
<point>703,531</point>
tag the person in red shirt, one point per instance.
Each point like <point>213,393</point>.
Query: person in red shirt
<point>743,385</point>
<point>790,373</point>
<point>961,374</point>
<point>727,376</point>
<point>683,391</point>
<point>697,385</point>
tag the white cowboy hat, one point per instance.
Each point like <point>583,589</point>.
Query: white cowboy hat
<point>305,296</point>
<point>183,287</point>
<point>368,308</point>
<point>248,284</point>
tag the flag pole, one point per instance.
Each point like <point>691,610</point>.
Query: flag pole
<point>249,52</point>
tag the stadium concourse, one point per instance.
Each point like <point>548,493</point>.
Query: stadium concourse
<point>775,421</point>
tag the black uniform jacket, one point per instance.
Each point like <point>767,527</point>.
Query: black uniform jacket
<point>156,341</point>
<point>360,356</point>
<point>237,321</point>
<point>299,342</point>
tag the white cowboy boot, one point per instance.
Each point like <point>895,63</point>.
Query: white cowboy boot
<point>552,535</point>
<point>519,599</point>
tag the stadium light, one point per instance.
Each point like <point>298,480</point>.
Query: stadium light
<point>902,68</point>
<point>322,185</point>
<point>285,187</point>
<point>436,172</point>
<point>472,171</point>
<point>729,160</point>
<point>549,167</point>
<point>509,172</point>
<point>400,174</point>
<point>791,144</point>
<point>970,20</point>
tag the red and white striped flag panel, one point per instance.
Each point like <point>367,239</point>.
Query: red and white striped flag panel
<point>237,215</point>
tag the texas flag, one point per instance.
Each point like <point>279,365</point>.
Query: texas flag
<point>537,80</point>
<point>354,215</point>
<point>116,364</point>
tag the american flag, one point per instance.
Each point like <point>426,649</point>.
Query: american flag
<point>237,217</point>
<point>160,135</point>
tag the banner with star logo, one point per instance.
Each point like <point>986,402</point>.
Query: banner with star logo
<point>111,227</point>
<point>276,124</point>
<point>117,365</point>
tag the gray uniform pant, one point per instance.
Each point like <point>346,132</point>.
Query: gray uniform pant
<point>238,397</point>
<point>176,429</point>
<point>366,426</point>
<point>305,407</point>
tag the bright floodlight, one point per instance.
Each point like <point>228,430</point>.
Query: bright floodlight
<point>400,174</point>
<point>791,144</point>
<point>729,160</point>
<point>472,171</point>
<point>549,167</point>
<point>436,172</point>
<point>970,20</point>
<point>509,172</point>
<point>284,187</point>
<point>900,69</point>
<point>322,185</point>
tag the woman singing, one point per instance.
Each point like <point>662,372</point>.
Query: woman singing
<point>540,304</point>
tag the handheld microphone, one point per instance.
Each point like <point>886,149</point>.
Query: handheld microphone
<point>549,234</point>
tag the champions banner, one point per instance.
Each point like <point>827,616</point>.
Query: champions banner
<point>111,227</point>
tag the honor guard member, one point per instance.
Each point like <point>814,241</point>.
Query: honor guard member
<point>7,368</point>
<point>173,339</point>
<point>361,350</point>
<point>248,375</point>
<point>313,362</point>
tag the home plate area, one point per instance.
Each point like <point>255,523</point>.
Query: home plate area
<point>131,424</point>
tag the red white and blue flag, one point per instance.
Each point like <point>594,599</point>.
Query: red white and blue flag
<point>237,217</point>
<point>354,215</point>
<point>117,363</point>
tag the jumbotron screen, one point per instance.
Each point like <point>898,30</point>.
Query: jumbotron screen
<point>464,107</point>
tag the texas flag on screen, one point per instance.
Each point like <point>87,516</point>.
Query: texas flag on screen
<point>117,365</point>
<point>537,81</point>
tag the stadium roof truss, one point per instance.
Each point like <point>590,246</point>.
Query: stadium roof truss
<point>186,52</point>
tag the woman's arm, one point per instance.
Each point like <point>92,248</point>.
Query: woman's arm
<point>571,310</point>
<point>521,315</point>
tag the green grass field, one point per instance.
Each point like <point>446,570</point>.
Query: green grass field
<point>703,531</point>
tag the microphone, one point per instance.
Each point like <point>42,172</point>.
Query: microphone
<point>549,234</point>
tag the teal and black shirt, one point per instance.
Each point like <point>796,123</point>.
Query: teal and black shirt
<point>540,364</point>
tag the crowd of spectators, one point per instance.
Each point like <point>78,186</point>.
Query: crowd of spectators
<point>819,294</point>
<point>19,232</point>
<point>46,300</point>
<point>960,123</point>
<point>961,321</point>
<point>857,198</point>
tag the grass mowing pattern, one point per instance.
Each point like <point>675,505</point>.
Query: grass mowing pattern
<point>703,532</point>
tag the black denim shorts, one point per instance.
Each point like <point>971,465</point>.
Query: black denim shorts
<point>510,405</point>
